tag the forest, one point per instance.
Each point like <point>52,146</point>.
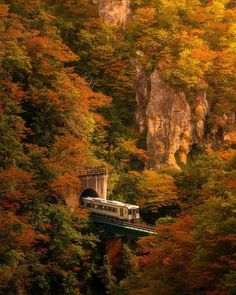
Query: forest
<point>69,82</point>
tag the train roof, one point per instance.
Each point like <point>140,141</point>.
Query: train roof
<point>112,202</point>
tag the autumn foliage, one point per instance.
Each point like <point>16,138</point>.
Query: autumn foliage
<point>67,100</point>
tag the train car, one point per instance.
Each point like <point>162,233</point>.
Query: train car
<point>112,209</point>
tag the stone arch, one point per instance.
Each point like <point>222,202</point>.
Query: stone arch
<point>88,192</point>
<point>96,182</point>
<point>93,182</point>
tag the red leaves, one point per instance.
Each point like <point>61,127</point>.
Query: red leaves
<point>15,187</point>
<point>16,231</point>
<point>65,184</point>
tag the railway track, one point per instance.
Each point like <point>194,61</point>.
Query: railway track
<point>141,227</point>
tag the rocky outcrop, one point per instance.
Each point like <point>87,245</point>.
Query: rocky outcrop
<point>172,127</point>
<point>115,12</point>
<point>199,116</point>
<point>142,96</point>
<point>223,132</point>
<point>168,116</point>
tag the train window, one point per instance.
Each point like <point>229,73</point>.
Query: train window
<point>129,211</point>
<point>121,212</point>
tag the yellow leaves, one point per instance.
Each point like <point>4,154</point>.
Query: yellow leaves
<point>144,17</point>
<point>128,146</point>
<point>216,10</point>
<point>155,190</point>
<point>155,183</point>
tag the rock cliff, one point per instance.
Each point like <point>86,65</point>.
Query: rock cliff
<point>172,126</point>
<point>143,89</point>
<point>115,11</point>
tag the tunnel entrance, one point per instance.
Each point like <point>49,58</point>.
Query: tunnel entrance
<point>89,192</point>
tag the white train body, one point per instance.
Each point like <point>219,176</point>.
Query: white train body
<point>112,209</point>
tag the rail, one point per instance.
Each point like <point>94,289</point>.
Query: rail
<point>133,226</point>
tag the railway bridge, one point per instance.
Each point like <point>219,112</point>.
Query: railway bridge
<point>125,227</point>
<point>94,184</point>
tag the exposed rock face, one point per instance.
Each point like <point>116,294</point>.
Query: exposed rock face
<point>200,115</point>
<point>142,97</point>
<point>168,118</point>
<point>115,11</point>
<point>223,133</point>
<point>172,127</point>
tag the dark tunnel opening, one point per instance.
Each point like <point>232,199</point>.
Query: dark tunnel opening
<point>89,192</point>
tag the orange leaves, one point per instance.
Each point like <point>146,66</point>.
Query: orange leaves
<point>15,184</point>
<point>128,146</point>
<point>11,90</point>
<point>65,184</point>
<point>166,256</point>
<point>203,55</point>
<point>11,25</point>
<point>145,16</point>
<point>92,24</point>
<point>4,10</point>
<point>67,154</point>
<point>227,155</point>
<point>70,152</point>
<point>85,95</point>
<point>16,231</point>
<point>40,47</point>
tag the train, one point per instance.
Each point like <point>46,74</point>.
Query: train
<point>112,209</point>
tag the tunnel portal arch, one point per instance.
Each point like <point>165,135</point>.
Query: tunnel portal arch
<point>88,192</point>
<point>93,183</point>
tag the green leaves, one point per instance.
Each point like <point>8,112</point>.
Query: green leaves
<point>15,58</point>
